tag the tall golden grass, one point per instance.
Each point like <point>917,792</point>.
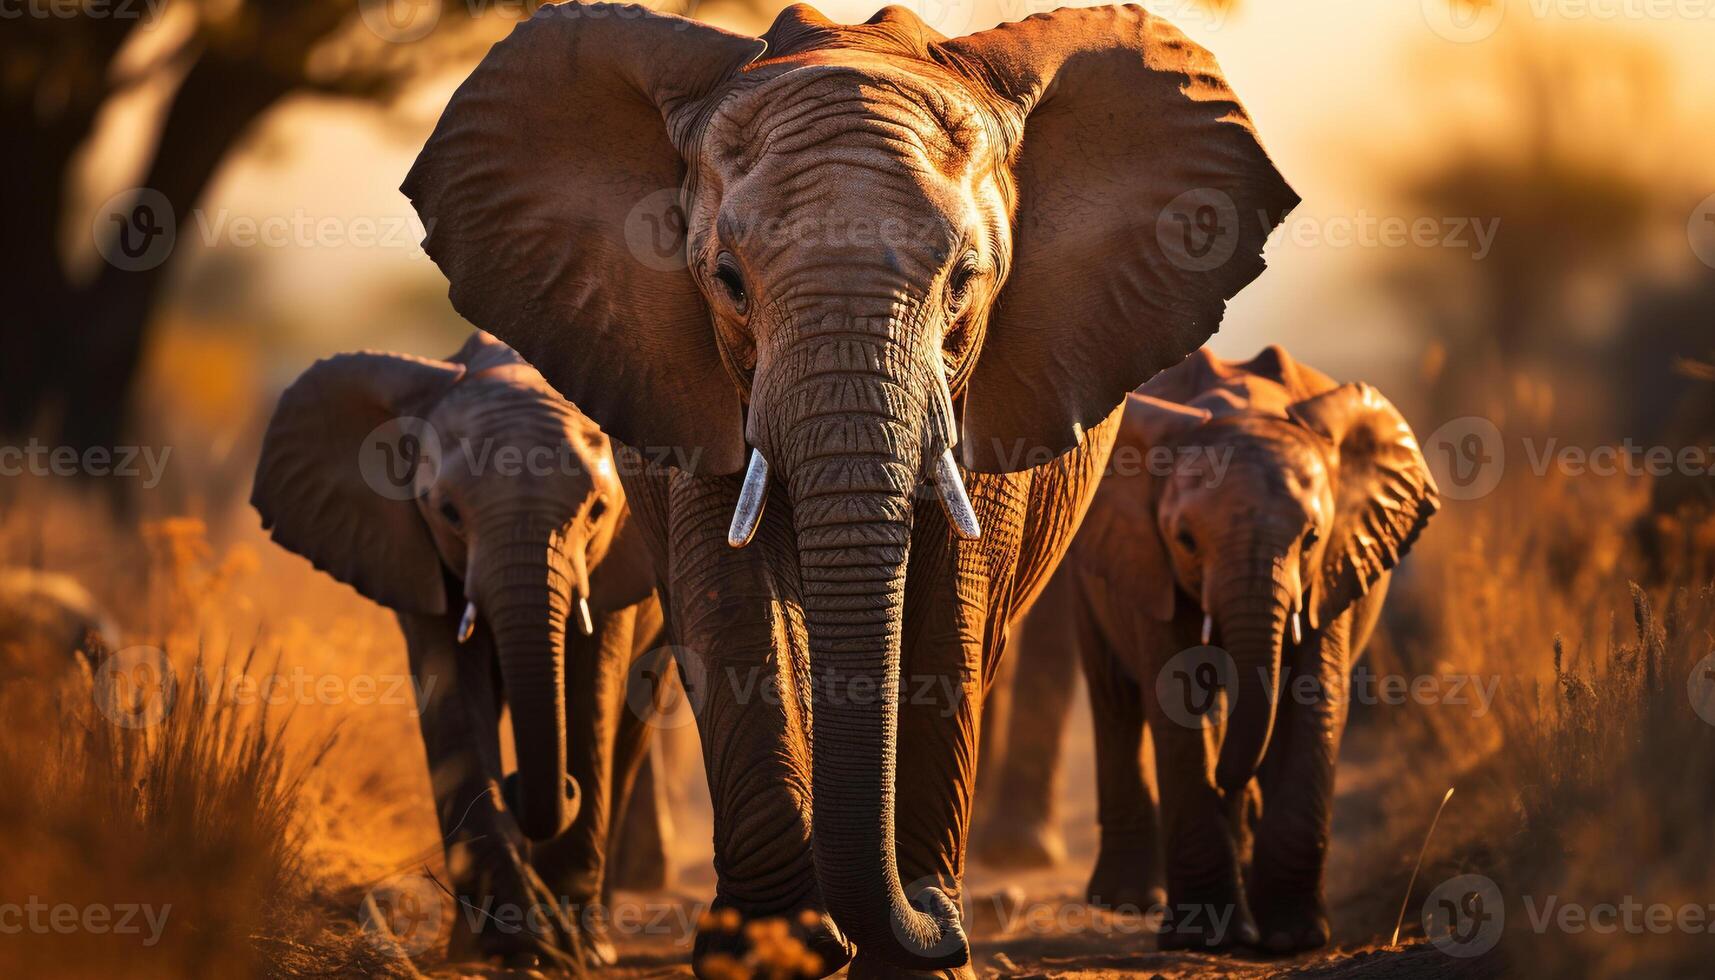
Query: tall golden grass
<point>175,836</point>
<point>249,830</point>
<point>1591,779</point>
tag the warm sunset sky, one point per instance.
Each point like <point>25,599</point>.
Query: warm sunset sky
<point>1342,91</point>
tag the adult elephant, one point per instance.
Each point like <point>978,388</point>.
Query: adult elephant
<point>485,511</point>
<point>1230,572</point>
<point>855,250</point>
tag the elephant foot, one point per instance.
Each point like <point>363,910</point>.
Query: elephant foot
<point>1019,844</point>
<point>805,946</point>
<point>1291,923</point>
<point>506,914</point>
<point>1127,878</point>
<point>1208,920</point>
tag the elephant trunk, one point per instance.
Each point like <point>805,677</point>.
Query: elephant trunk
<point>1251,609</point>
<point>853,453</point>
<point>526,598</point>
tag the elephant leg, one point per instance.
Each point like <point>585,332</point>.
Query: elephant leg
<point>1206,904</point>
<point>744,665</point>
<point>1128,873</point>
<point>1020,828</point>
<point>574,863</point>
<point>458,712</point>
<point>638,856</point>
<point>992,748</point>
<point>1298,792</point>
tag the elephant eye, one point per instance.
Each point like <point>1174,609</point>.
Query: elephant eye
<point>959,283</point>
<point>451,514</point>
<point>1310,538</point>
<point>598,508</point>
<point>1187,540</point>
<point>726,273</point>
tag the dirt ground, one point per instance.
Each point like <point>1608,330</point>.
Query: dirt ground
<point>1035,925</point>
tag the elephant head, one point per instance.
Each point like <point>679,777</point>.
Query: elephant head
<point>392,473</point>
<point>1268,521</point>
<point>855,250</point>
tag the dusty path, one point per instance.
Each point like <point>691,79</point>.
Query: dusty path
<point>1041,928</point>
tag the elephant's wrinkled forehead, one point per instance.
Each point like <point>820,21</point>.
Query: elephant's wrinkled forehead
<point>1259,451</point>
<point>881,114</point>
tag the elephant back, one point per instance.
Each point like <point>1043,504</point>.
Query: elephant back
<point>1267,383</point>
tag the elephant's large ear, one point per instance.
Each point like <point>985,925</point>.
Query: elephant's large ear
<point>1144,200</point>
<point>550,193</point>
<point>1150,426</point>
<point>1383,492</point>
<point>336,481</point>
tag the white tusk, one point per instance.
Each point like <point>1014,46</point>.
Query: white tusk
<point>1298,626</point>
<point>953,498</point>
<point>748,514</point>
<point>586,623</point>
<point>1208,628</point>
<point>467,624</point>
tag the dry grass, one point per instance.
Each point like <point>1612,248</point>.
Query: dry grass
<point>154,786</point>
<point>175,835</point>
<point>1591,780</point>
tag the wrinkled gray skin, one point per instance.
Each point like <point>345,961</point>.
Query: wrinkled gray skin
<point>1283,495</point>
<point>519,516</point>
<point>892,246</point>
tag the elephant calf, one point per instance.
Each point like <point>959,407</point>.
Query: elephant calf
<point>1228,575</point>
<point>484,510</point>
